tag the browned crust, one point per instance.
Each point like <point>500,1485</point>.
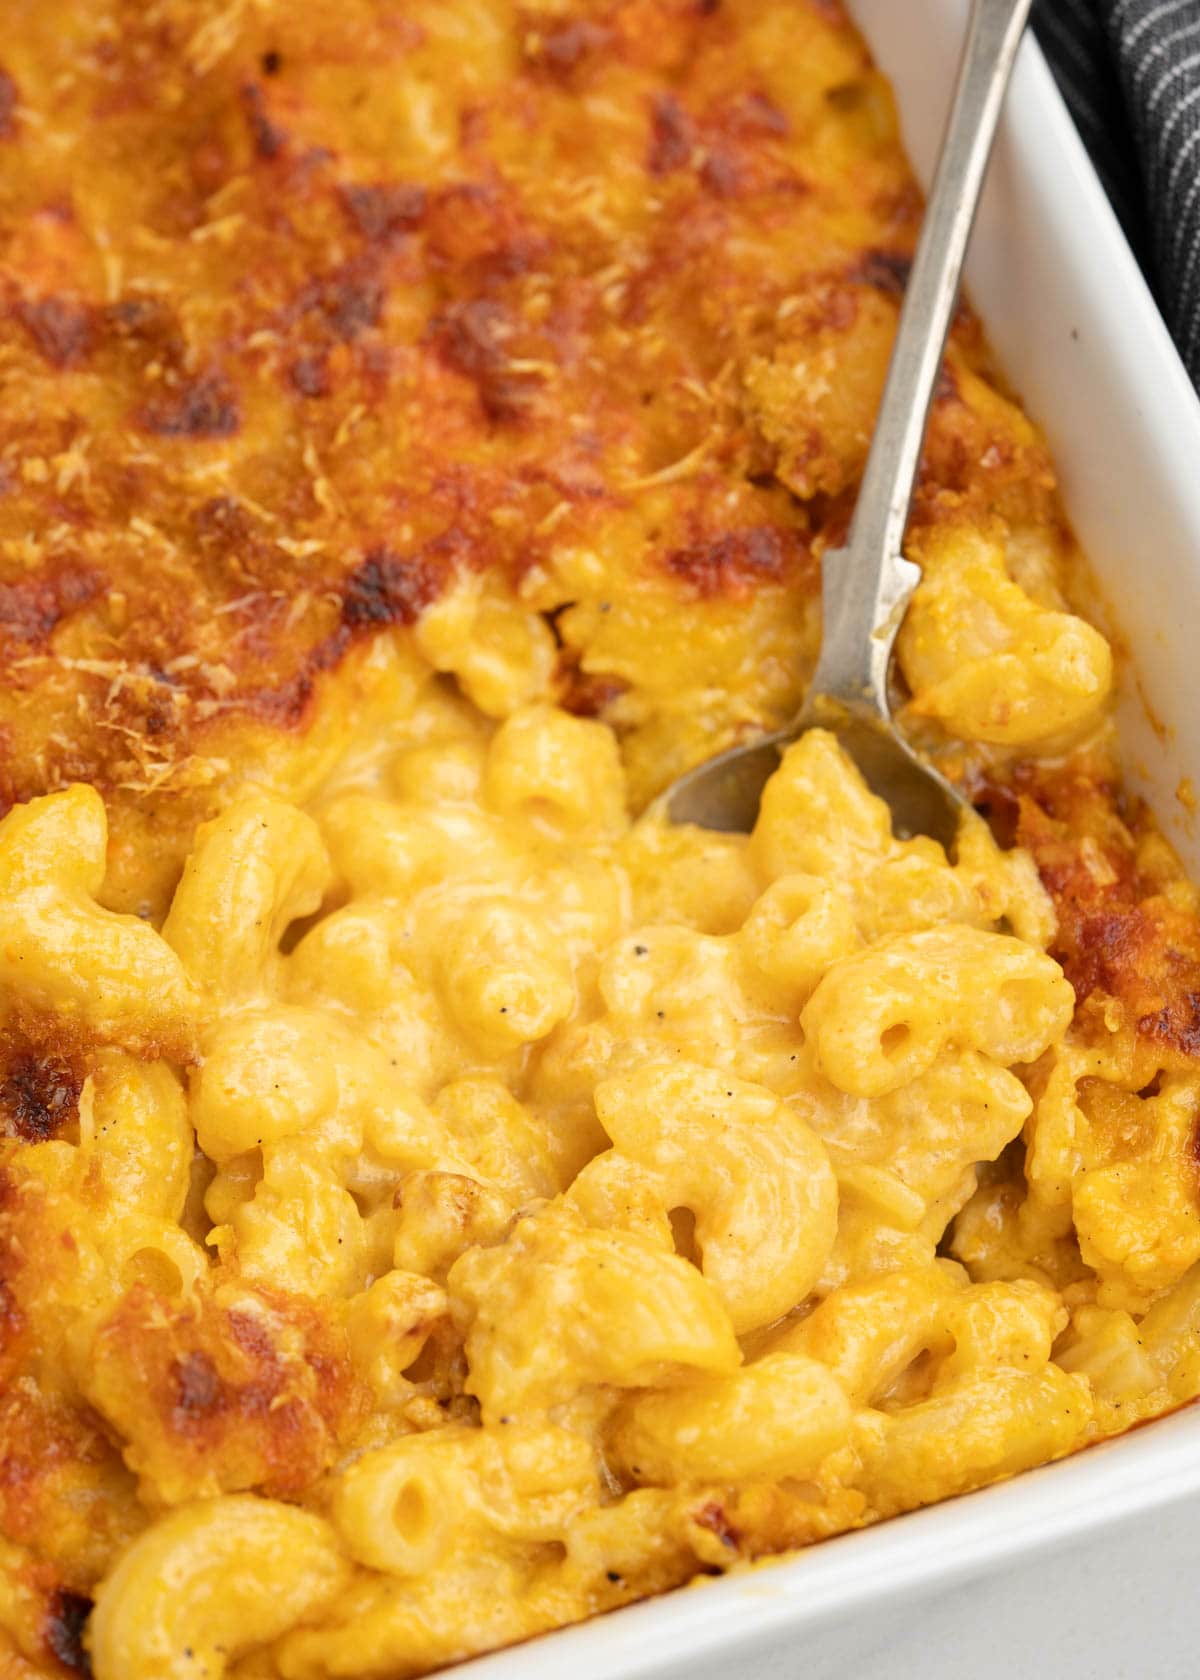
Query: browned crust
<point>272,383</point>
<point>738,562</point>
<point>63,1491</point>
<point>66,1618</point>
<point>1120,934</point>
<point>39,1090</point>
<point>208,1394</point>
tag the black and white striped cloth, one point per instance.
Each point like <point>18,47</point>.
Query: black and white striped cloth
<point>1130,73</point>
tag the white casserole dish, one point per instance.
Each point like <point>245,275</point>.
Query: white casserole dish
<point>1079,1570</point>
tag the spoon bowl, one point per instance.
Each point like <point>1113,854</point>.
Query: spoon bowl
<point>725,792</point>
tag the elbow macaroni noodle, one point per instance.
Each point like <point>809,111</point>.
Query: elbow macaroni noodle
<point>659,1262</point>
<point>465,1207</point>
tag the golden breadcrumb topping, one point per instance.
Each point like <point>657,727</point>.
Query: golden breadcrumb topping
<point>305,312</point>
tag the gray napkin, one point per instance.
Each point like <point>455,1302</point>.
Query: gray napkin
<point>1130,73</point>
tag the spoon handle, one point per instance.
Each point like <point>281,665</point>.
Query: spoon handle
<point>867,584</point>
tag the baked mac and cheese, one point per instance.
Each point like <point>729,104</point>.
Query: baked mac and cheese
<point>437,1203</point>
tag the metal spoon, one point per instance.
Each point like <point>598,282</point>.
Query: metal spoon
<point>868,584</point>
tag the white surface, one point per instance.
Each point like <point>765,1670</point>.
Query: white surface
<point>1084,1570</point>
